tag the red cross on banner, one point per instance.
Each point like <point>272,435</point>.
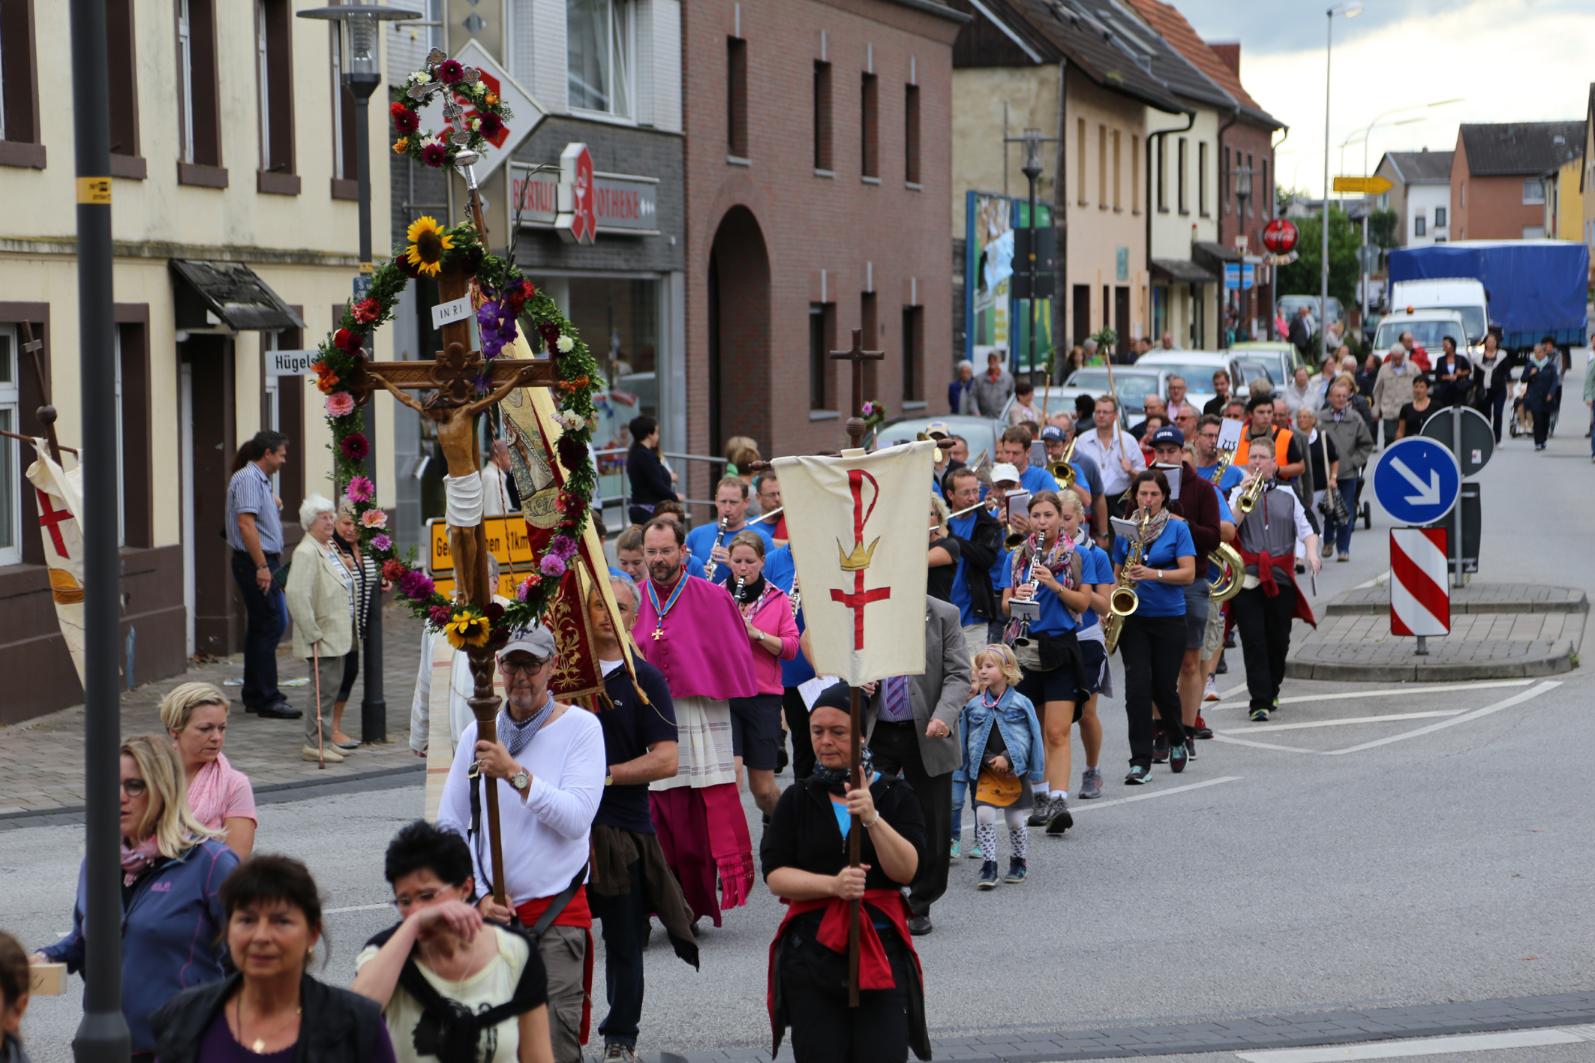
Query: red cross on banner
<point>52,519</point>
<point>859,560</point>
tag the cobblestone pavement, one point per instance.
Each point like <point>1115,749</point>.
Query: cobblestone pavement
<point>1498,631</point>
<point>1037,1045</point>
<point>268,751</point>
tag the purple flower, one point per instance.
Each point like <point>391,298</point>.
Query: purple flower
<point>417,585</point>
<point>439,615</point>
<point>381,544</point>
<point>355,446</point>
<point>361,489</point>
<point>562,547</point>
<point>553,566</point>
<point>487,314</point>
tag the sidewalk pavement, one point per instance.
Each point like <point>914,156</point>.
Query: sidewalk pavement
<point>268,751</point>
<point>1498,631</point>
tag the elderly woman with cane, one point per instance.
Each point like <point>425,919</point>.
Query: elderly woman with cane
<point>322,584</point>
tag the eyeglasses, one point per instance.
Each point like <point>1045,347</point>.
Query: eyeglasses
<point>525,664</point>
<point>423,897</point>
<point>135,787</point>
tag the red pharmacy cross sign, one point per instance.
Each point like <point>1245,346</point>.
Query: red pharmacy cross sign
<point>858,561</point>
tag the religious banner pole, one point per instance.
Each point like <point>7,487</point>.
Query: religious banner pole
<point>856,356</point>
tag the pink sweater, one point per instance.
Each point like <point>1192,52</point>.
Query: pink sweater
<point>773,615</point>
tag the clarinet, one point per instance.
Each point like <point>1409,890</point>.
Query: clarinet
<point>710,565</point>
<point>741,583</point>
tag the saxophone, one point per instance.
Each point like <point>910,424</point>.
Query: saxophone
<point>1124,601</point>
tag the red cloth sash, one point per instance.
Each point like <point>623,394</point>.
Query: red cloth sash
<point>575,914</point>
<point>874,967</point>
<point>1266,564</point>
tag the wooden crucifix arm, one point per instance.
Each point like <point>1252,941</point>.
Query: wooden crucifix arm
<point>501,392</point>
<point>398,393</point>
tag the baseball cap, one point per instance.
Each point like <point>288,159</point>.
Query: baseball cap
<point>938,428</point>
<point>1003,472</point>
<point>1052,434</point>
<point>835,696</point>
<point>1168,435</point>
<point>535,640</point>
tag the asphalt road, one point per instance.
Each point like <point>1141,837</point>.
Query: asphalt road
<point>1423,845</point>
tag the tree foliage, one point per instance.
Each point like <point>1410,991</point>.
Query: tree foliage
<point>1301,276</point>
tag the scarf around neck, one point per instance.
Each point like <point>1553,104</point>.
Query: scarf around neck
<point>516,735</point>
<point>835,780</point>
<point>138,859</point>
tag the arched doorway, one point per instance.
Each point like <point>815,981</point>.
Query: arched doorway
<point>739,332</point>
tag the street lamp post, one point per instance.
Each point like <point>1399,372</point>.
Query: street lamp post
<point>1242,176</point>
<point>359,23</point>
<point>1347,9</point>
<point>1032,169</point>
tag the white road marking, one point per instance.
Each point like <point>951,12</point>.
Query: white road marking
<point>1378,581</point>
<point>1506,703</point>
<point>1267,728</point>
<point>1171,791</point>
<point>1275,746</point>
<point>1386,692</point>
<point>357,908</point>
<point>1422,1046</point>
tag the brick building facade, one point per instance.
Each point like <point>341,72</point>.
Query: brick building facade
<point>1497,186</point>
<point>818,168</point>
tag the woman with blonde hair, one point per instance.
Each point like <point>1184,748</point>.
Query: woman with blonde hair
<point>321,590</point>
<point>219,795</point>
<point>740,453</point>
<point>172,871</point>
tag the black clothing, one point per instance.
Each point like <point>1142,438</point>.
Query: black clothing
<point>1264,624</point>
<point>1152,647</point>
<point>335,1025</point>
<point>1317,470</point>
<point>1301,336</point>
<point>630,727</point>
<point>650,480</point>
<point>1452,392</point>
<point>624,920</point>
<point>979,553</point>
<point>896,749</point>
<point>1215,406</point>
<point>803,832</point>
<point>797,725</point>
<point>1413,418</point>
<point>939,580</point>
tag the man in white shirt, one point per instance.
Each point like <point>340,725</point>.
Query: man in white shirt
<point>1117,454</point>
<point>1178,405</point>
<point>498,487</point>
<point>549,767</point>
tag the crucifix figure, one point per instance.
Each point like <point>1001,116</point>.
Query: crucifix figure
<point>453,377</point>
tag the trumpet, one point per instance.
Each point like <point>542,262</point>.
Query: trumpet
<point>710,565</point>
<point>1250,494</point>
<point>1231,573</point>
<point>1123,601</point>
<point>1061,470</point>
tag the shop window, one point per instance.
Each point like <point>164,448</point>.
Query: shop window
<point>600,43</point>
<point>869,126</point>
<point>822,116</point>
<point>19,88</point>
<point>737,97</point>
<point>822,337</point>
<point>275,101</point>
<point>10,449</point>
<point>199,117</point>
<point>913,351</point>
<point>911,134</point>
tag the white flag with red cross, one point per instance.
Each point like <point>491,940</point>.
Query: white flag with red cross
<point>857,527</point>
<point>59,497</point>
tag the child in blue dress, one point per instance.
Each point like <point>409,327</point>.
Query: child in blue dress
<point>1004,753</point>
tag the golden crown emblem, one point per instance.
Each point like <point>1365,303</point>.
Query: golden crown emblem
<point>859,559</point>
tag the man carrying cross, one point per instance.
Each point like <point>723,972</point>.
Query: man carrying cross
<point>687,628</point>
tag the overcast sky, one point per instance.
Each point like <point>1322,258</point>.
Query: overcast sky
<point>1507,60</point>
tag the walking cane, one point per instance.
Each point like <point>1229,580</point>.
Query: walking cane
<point>315,670</point>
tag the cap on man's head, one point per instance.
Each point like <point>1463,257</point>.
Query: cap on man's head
<point>536,640</point>
<point>938,430</point>
<point>835,696</point>
<point>1052,434</point>
<point>1004,473</point>
<point>1168,435</point>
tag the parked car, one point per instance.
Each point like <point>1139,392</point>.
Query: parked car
<point>1134,383</point>
<point>1197,367</point>
<point>1428,328</point>
<point>1288,305</point>
<point>980,432</point>
<point>1279,356</point>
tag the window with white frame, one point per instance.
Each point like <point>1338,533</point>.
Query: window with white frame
<point>1533,191</point>
<point>263,84</point>
<point>10,452</point>
<point>1439,217</point>
<point>599,43</point>
<point>339,167</point>
<point>1420,225</point>
<point>185,75</point>
<point>1533,232</point>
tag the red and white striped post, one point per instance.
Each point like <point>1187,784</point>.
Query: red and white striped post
<point>1420,598</point>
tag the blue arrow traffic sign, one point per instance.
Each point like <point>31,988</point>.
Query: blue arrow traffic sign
<point>1416,480</point>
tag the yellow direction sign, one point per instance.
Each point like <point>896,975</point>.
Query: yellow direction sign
<point>505,588</point>
<point>506,540</point>
<point>1368,186</point>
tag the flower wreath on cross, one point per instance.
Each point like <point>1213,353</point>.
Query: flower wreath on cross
<point>474,113</point>
<point>503,299</point>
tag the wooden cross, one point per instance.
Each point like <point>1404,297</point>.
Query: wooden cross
<point>857,356</point>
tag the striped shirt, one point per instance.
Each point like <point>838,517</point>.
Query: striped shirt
<point>250,492</point>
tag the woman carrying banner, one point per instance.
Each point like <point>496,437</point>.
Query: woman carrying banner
<point>805,863</point>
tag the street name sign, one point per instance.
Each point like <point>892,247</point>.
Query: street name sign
<point>1416,480</point>
<point>1368,186</point>
<point>291,363</point>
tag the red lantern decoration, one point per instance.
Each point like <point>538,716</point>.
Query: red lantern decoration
<point>1279,236</point>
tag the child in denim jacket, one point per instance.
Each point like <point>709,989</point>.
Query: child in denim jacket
<point>1004,753</point>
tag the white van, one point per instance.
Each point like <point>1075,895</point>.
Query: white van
<point>1428,328</point>
<point>1465,295</point>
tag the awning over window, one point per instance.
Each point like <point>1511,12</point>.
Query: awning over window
<point>229,294</point>
<point>1181,271</point>
<point>1213,256</point>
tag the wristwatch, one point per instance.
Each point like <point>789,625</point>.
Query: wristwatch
<point>521,779</point>
<point>609,778</point>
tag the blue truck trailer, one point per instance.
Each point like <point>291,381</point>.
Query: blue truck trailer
<point>1536,288</point>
